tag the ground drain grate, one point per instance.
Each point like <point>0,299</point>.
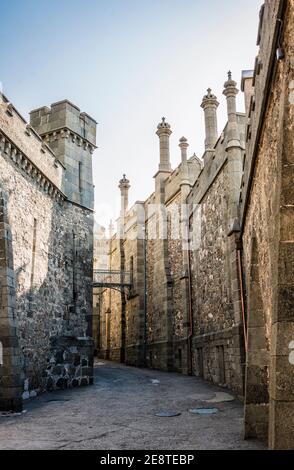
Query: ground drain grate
<point>167,414</point>
<point>204,411</point>
<point>11,414</point>
<point>56,400</point>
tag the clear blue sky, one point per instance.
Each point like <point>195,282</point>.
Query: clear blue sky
<point>127,63</point>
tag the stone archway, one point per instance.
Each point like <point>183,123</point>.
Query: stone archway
<point>258,357</point>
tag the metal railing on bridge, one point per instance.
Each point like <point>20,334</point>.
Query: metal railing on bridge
<point>112,279</point>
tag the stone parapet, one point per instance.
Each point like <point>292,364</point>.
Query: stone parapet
<point>24,163</point>
<point>23,143</point>
<point>64,115</point>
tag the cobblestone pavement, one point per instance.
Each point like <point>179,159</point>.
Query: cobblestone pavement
<point>118,412</point>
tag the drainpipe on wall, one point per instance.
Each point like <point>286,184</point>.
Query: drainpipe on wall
<point>143,355</point>
<point>145,298</point>
<point>185,191</point>
<point>124,186</point>
<point>242,296</point>
<point>190,336</point>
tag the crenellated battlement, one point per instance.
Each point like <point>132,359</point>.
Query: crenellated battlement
<point>23,162</point>
<point>64,116</point>
<point>31,152</point>
<point>71,135</point>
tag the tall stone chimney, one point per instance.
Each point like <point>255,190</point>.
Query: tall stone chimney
<point>110,229</point>
<point>164,132</point>
<point>235,152</point>
<point>210,105</point>
<point>124,186</point>
<point>231,91</point>
<point>184,168</point>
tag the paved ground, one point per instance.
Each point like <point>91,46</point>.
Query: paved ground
<point>118,412</point>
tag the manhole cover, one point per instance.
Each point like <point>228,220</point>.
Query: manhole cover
<point>204,411</point>
<point>167,414</point>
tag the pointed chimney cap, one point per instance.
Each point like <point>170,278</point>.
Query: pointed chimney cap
<point>230,82</point>
<point>163,124</point>
<point>183,143</point>
<point>209,95</point>
<point>124,183</point>
<point>209,99</point>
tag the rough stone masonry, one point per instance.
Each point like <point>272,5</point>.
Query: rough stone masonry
<point>218,301</point>
<point>46,245</point>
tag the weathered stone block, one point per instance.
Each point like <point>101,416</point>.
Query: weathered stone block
<point>256,421</point>
<point>281,425</point>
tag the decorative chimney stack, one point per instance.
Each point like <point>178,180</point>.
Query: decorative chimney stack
<point>235,154</point>
<point>164,170</point>
<point>124,186</point>
<point>231,91</point>
<point>184,169</point>
<point>164,132</point>
<point>210,105</point>
<point>110,229</point>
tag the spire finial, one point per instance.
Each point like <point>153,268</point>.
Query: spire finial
<point>124,183</point>
<point>230,84</point>
<point>209,97</point>
<point>163,125</point>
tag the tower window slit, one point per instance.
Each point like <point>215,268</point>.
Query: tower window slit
<point>80,176</point>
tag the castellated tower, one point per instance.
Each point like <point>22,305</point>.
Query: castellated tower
<point>71,135</point>
<point>47,208</point>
